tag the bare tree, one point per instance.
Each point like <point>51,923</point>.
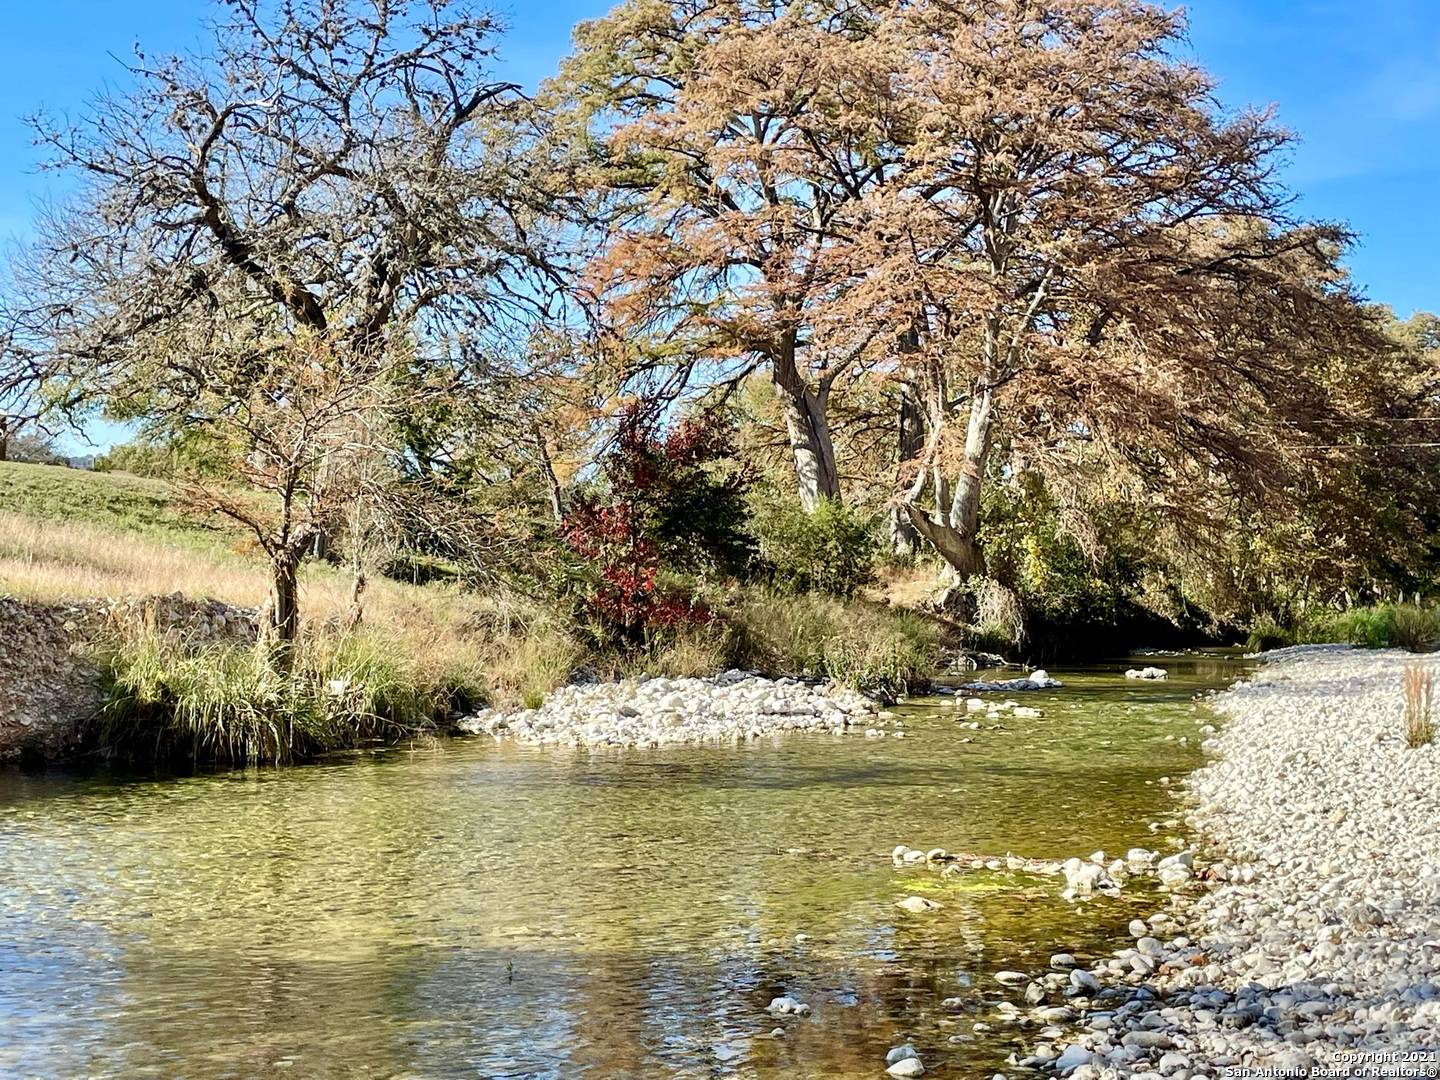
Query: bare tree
<point>333,187</point>
<point>297,425</point>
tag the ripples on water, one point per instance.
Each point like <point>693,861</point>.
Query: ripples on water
<point>482,909</point>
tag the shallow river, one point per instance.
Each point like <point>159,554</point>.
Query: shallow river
<point>481,909</point>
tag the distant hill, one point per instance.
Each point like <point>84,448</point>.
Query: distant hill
<point>114,500</point>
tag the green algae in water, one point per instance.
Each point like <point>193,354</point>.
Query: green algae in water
<point>487,909</point>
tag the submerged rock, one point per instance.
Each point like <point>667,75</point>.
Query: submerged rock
<point>788,1006</point>
<point>1039,679</point>
<point>917,904</point>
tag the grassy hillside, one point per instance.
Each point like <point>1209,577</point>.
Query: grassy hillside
<point>69,534</point>
<point>117,501</point>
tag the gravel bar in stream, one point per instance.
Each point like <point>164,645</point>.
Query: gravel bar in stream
<point>731,707</point>
<point>1315,950</point>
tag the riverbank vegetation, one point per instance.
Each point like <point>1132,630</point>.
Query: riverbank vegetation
<point>421,653</point>
<point>1415,627</point>
<point>746,341</point>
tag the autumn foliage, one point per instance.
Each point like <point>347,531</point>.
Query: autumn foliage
<point>663,509</point>
<point>625,595</point>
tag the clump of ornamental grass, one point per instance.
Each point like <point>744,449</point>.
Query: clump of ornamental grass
<point>686,651</point>
<point>1415,627</point>
<point>1419,691</point>
<point>210,703</point>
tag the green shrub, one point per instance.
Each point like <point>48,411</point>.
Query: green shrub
<point>164,458</point>
<point>1378,626</point>
<point>1060,573</point>
<point>1415,628</point>
<point>1266,634</point>
<point>867,646</point>
<point>830,550</point>
<point>1371,627</point>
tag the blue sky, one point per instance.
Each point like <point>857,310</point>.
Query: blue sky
<point>1358,81</point>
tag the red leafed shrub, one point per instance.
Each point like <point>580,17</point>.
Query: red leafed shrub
<point>645,460</point>
<point>672,500</point>
<point>625,594</point>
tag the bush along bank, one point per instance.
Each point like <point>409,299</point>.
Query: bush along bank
<point>1403,626</point>
<point>173,699</point>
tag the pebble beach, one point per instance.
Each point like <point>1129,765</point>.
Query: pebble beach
<point>732,707</point>
<point>1314,941</point>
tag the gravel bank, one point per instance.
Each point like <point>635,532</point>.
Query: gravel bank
<point>1317,943</point>
<point>731,707</point>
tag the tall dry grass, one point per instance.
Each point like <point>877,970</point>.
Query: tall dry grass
<point>510,649</point>
<point>1418,686</point>
<point>59,560</point>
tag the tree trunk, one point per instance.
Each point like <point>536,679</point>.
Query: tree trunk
<point>954,526</point>
<point>904,537</point>
<point>965,509</point>
<point>960,550</point>
<point>357,608</point>
<point>808,424</point>
<point>552,482</point>
<point>284,608</point>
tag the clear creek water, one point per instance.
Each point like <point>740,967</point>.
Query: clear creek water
<point>487,910</point>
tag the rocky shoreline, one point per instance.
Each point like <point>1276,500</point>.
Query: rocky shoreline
<point>652,712</point>
<point>1316,943</point>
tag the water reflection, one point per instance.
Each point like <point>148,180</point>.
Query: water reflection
<point>481,909</point>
